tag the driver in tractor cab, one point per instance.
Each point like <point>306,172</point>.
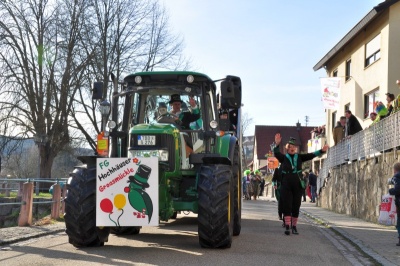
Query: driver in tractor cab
<point>184,118</point>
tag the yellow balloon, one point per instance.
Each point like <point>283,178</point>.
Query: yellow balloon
<point>119,201</point>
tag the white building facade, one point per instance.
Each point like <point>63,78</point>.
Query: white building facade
<point>367,60</point>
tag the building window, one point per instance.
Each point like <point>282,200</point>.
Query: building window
<point>334,119</point>
<point>373,50</point>
<point>370,100</point>
<point>334,73</point>
<point>347,107</point>
<point>348,69</point>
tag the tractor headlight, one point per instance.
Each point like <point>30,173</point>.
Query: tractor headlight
<point>190,79</point>
<point>138,79</point>
<point>213,124</point>
<point>112,124</point>
<point>162,155</point>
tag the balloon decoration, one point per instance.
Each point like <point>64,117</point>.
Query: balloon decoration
<point>119,201</point>
<point>106,205</point>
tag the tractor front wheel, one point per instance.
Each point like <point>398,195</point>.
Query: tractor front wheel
<point>215,213</point>
<point>80,209</point>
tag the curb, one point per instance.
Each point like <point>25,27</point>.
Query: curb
<point>368,251</point>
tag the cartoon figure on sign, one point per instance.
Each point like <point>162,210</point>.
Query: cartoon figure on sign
<point>138,197</point>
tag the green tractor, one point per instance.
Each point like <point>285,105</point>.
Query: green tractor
<point>199,159</point>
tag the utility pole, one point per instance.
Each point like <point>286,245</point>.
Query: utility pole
<point>307,119</point>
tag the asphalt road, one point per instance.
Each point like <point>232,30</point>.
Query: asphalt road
<point>261,242</point>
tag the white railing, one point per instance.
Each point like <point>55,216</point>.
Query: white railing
<point>372,141</point>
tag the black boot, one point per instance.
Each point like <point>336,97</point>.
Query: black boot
<point>287,231</point>
<point>398,244</point>
<point>294,230</point>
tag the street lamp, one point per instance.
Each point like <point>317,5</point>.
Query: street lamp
<point>105,108</point>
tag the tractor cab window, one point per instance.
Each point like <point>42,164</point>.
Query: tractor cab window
<point>160,110</point>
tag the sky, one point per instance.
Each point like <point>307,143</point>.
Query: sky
<point>271,45</point>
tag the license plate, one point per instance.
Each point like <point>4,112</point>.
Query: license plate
<point>146,140</point>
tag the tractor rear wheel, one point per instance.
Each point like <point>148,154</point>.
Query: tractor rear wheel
<point>215,214</point>
<point>80,209</point>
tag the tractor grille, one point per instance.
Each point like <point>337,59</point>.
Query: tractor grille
<point>163,141</point>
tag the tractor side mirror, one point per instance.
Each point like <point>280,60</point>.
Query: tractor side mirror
<point>97,90</point>
<point>231,92</point>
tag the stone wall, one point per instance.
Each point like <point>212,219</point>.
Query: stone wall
<point>356,188</point>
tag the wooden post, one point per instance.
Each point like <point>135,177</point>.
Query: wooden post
<point>25,215</point>
<point>55,206</point>
<point>64,195</point>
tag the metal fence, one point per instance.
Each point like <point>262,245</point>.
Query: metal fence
<point>375,140</point>
<point>15,184</point>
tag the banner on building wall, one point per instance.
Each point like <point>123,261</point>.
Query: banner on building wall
<point>330,88</point>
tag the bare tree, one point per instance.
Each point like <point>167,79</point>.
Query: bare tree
<point>127,36</point>
<point>51,51</point>
<point>41,65</point>
<point>246,121</point>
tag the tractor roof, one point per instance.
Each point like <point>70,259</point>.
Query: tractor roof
<point>169,75</point>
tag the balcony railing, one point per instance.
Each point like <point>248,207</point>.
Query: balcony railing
<point>370,142</point>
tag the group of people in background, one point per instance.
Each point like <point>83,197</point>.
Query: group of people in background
<point>253,184</point>
<point>318,132</point>
<point>349,125</point>
<point>381,110</point>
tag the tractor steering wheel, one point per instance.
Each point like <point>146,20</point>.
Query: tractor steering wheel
<point>169,118</point>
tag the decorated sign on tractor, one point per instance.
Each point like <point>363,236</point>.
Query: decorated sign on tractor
<point>127,191</point>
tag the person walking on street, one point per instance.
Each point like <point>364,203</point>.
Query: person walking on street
<point>246,185</point>
<point>255,183</point>
<point>305,178</point>
<point>396,192</point>
<point>291,189</point>
<point>312,180</point>
<point>262,186</point>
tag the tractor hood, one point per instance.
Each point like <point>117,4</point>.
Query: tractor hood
<point>156,128</point>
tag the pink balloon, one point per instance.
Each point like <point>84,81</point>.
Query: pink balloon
<point>106,205</point>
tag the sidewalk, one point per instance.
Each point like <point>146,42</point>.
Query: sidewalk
<point>11,235</point>
<point>376,240</point>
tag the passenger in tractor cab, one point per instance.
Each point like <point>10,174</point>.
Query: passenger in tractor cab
<point>225,120</point>
<point>162,109</point>
<point>184,118</point>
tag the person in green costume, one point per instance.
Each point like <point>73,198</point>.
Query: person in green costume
<point>291,189</point>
